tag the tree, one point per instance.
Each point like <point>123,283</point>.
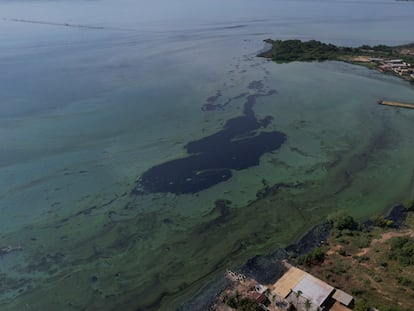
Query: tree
<point>317,255</point>
<point>340,220</point>
<point>381,221</point>
<point>298,294</point>
<point>307,304</point>
<point>402,249</point>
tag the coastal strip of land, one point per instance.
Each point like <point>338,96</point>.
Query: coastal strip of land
<point>395,104</point>
<point>396,60</point>
<point>343,265</point>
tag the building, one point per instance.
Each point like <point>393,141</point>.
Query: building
<point>309,293</point>
<point>343,298</point>
<point>395,61</point>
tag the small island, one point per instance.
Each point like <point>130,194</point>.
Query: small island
<point>396,60</point>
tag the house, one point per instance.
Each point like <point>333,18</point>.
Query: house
<point>394,61</point>
<point>343,298</point>
<point>397,65</point>
<point>309,293</point>
<point>403,72</point>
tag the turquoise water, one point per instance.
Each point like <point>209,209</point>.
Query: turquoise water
<point>84,112</point>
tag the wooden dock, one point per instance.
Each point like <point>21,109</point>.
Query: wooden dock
<point>395,104</point>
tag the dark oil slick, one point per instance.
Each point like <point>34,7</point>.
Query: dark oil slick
<point>239,145</point>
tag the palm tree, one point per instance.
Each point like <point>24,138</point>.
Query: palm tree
<point>307,304</point>
<point>298,294</point>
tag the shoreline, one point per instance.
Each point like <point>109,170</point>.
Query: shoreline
<point>268,268</point>
<point>395,60</point>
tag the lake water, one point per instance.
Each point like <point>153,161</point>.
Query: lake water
<point>100,92</point>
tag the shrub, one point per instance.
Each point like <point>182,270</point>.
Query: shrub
<point>404,281</point>
<point>380,221</point>
<point>357,291</point>
<point>339,268</point>
<point>361,305</point>
<point>363,242</point>
<point>244,304</point>
<point>317,255</point>
<point>383,263</point>
<point>347,232</point>
<point>362,258</point>
<point>342,252</point>
<point>247,304</point>
<point>408,204</point>
<point>377,278</point>
<point>402,250</point>
<point>367,283</point>
<point>342,221</point>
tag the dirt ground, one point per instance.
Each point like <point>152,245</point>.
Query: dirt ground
<point>368,271</point>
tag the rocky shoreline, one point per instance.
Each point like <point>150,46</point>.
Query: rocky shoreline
<point>268,268</point>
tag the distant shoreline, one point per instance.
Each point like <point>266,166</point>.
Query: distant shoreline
<point>396,60</point>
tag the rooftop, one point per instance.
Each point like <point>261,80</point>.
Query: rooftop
<point>343,297</point>
<point>289,280</point>
<point>301,288</point>
<point>313,289</point>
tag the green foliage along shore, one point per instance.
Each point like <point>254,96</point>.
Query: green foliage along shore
<point>402,249</point>
<point>296,50</point>
<point>283,51</point>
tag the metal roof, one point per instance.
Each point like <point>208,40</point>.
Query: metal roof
<point>313,289</point>
<point>289,280</point>
<point>342,297</point>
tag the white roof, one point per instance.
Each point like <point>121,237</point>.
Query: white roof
<point>398,65</point>
<point>342,297</point>
<point>260,288</point>
<point>313,289</point>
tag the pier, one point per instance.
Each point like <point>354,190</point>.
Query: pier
<point>395,104</point>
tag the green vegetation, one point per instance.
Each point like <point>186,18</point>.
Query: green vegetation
<point>364,261</point>
<point>402,249</point>
<point>404,281</point>
<point>316,256</point>
<point>283,51</point>
<point>243,304</point>
<point>409,204</point>
<point>342,252</point>
<point>381,221</point>
<point>296,50</point>
<point>371,57</point>
<point>341,221</point>
<point>361,305</point>
<point>409,222</point>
